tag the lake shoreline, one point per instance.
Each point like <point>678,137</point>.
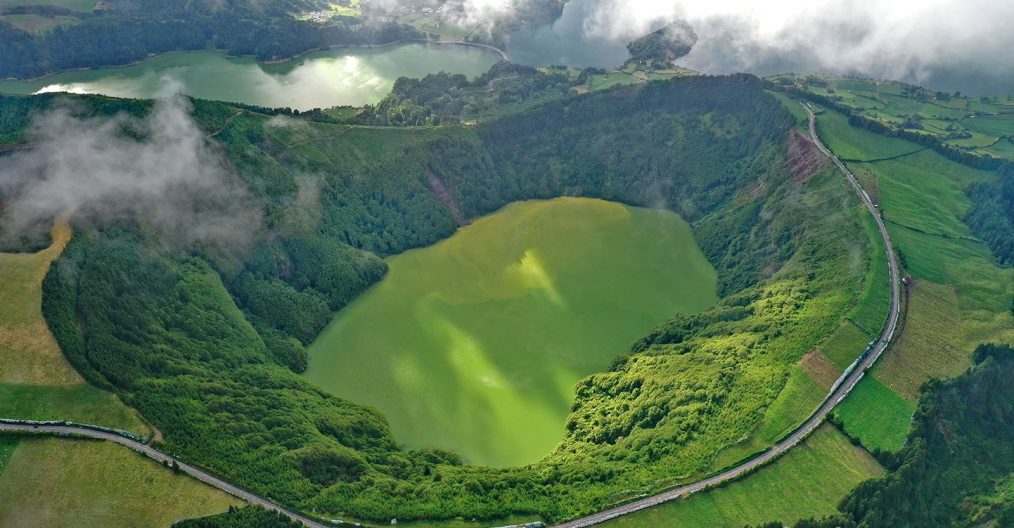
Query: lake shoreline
<point>503,55</point>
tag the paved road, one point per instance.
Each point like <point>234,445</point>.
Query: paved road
<point>837,395</point>
<point>160,457</point>
<point>843,388</point>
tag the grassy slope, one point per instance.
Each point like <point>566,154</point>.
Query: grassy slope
<point>923,201</point>
<point>810,379</point>
<point>808,481</point>
<point>57,482</point>
<point>36,382</point>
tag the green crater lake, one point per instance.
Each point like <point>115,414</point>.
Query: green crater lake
<point>476,343</point>
<point>321,79</point>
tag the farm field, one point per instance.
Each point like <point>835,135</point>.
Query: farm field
<point>979,125</point>
<point>475,344</point>
<point>58,482</point>
<point>808,481</point>
<point>961,297</point>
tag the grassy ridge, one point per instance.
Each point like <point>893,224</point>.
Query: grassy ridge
<point>57,482</point>
<point>808,481</point>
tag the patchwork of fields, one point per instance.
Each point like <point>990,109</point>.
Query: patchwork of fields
<point>958,298</point>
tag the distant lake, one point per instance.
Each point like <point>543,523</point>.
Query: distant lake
<point>341,76</point>
<point>566,42</point>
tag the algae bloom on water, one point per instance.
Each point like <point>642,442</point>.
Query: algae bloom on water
<point>475,344</point>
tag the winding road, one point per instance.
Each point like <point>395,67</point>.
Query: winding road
<point>159,456</point>
<point>845,385</point>
<point>842,388</point>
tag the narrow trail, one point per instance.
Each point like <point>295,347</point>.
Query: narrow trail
<point>841,389</point>
<point>850,378</point>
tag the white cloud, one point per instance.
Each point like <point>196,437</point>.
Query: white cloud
<point>914,40</point>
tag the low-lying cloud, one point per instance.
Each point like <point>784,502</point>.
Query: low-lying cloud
<point>159,170</point>
<point>956,42</point>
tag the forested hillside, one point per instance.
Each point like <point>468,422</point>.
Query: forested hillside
<point>134,29</point>
<point>992,214</point>
<point>204,341</point>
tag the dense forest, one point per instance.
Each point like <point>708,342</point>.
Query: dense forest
<point>992,214</point>
<point>957,467</point>
<point>450,99</point>
<point>138,28</point>
<point>204,342</point>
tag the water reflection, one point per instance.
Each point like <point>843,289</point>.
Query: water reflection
<point>320,79</point>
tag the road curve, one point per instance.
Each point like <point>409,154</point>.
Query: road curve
<point>842,388</point>
<point>159,456</point>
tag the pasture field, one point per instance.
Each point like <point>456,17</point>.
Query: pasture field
<point>476,343</point>
<point>59,482</point>
<point>80,403</point>
<point>808,481</point>
<point>961,297</point>
<point>36,381</point>
<point>980,125</point>
<point>875,415</point>
<point>928,347</point>
<point>841,349</point>
<point>871,312</point>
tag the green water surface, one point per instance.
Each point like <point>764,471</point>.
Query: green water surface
<point>476,343</point>
<point>322,79</point>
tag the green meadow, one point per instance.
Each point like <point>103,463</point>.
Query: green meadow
<point>60,482</point>
<point>475,343</point>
